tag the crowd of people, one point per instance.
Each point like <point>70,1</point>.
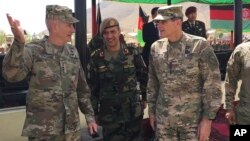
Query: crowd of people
<point>177,77</point>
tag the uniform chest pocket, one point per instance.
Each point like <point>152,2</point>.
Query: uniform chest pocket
<point>46,70</point>
<point>105,73</point>
<point>129,69</point>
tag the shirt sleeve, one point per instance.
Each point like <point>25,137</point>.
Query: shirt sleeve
<point>210,82</point>
<point>93,79</point>
<point>152,87</point>
<point>84,95</point>
<point>141,74</point>
<point>232,77</point>
<point>17,62</point>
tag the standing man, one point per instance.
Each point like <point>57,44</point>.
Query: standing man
<point>184,81</point>
<point>193,26</point>
<point>57,85</point>
<point>113,73</point>
<point>150,34</point>
<point>238,68</point>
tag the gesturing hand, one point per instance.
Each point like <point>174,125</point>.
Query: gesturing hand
<point>16,29</point>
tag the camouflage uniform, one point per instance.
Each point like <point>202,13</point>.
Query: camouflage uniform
<point>115,98</point>
<point>57,87</point>
<point>184,86</point>
<point>238,68</point>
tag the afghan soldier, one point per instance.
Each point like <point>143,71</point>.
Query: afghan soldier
<point>238,68</point>
<point>57,84</point>
<point>113,73</point>
<point>193,26</point>
<point>184,87</point>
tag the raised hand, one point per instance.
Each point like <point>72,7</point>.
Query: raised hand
<point>16,29</point>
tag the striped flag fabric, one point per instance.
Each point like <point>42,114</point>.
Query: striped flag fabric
<point>143,18</point>
<point>222,17</point>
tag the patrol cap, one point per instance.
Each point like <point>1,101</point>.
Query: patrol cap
<point>169,12</point>
<point>107,23</point>
<point>190,10</point>
<point>62,13</point>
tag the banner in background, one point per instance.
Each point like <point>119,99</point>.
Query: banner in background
<point>180,1</point>
<point>222,17</point>
<point>143,18</point>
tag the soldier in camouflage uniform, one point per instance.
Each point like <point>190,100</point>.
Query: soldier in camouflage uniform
<point>193,26</point>
<point>113,73</point>
<point>184,88</point>
<point>238,68</point>
<point>57,84</point>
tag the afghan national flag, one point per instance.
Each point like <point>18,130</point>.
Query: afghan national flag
<point>143,18</point>
<point>222,17</point>
<point>98,19</point>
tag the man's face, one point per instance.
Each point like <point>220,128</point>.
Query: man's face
<point>111,37</point>
<point>167,27</point>
<point>192,16</point>
<point>64,31</point>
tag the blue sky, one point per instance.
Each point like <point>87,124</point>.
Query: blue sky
<point>30,13</point>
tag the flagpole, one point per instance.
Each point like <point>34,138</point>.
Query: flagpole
<point>169,2</point>
<point>81,30</point>
<point>94,31</point>
<point>237,22</point>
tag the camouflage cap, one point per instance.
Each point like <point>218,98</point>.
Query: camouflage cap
<point>63,13</point>
<point>107,23</point>
<point>169,12</point>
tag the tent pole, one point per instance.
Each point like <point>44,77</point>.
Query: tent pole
<point>237,22</point>
<point>94,31</point>
<point>169,2</point>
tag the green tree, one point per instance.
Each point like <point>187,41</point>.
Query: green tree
<point>2,37</point>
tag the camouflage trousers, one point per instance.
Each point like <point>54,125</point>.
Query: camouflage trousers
<point>129,131</point>
<point>74,136</point>
<point>243,114</point>
<point>177,133</point>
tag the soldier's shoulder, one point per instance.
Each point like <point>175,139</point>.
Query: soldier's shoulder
<point>200,22</point>
<point>185,24</point>
<point>198,43</point>
<point>95,43</point>
<point>36,45</point>
<point>133,48</point>
<point>99,52</point>
<point>160,42</point>
<point>243,48</point>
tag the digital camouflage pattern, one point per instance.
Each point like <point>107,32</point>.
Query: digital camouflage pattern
<point>57,86</point>
<point>238,68</point>
<point>62,13</point>
<point>184,86</point>
<point>75,136</point>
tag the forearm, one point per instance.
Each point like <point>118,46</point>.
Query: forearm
<point>153,91</point>
<point>16,63</point>
<point>231,83</point>
<point>210,84</point>
<point>84,100</point>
